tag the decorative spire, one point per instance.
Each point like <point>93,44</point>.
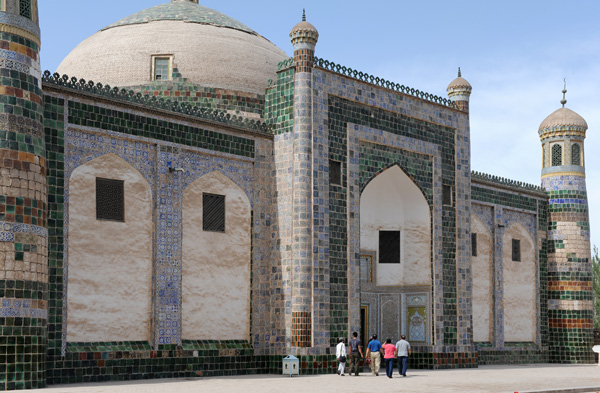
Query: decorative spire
<point>303,15</point>
<point>564,100</point>
<point>459,75</point>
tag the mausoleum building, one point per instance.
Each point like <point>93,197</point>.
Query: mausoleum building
<point>207,206</point>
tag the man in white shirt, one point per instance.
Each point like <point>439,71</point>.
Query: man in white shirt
<point>403,348</point>
<point>340,354</point>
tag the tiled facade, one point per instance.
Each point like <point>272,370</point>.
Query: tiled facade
<point>306,288</point>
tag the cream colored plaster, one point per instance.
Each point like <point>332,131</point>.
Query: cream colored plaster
<point>216,266</point>
<point>519,287</point>
<point>205,54</point>
<point>391,201</point>
<point>109,263</point>
<point>481,267</point>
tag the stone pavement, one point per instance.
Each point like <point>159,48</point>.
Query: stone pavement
<point>508,378</point>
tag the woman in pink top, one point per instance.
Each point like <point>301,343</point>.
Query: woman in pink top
<point>389,355</point>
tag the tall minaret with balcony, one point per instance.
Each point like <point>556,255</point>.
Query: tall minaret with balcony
<point>23,229</point>
<point>570,304</point>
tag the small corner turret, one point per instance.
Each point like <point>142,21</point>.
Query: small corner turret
<point>304,37</point>
<point>459,92</point>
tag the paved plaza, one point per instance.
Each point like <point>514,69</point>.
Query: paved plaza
<point>513,378</point>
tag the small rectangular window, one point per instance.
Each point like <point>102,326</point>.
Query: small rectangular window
<point>110,200</point>
<point>473,244</point>
<point>213,212</point>
<point>25,8</point>
<point>447,195</point>
<point>389,246</point>
<point>161,68</point>
<point>516,250</point>
<point>335,172</point>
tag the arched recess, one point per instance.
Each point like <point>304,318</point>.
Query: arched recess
<point>216,265</point>
<point>109,262</point>
<point>393,202</point>
<point>520,278</point>
<point>481,268</point>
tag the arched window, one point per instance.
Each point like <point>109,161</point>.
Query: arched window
<point>556,155</point>
<point>25,8</point>
<point>575,154</point>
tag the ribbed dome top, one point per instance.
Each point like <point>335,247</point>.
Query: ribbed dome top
<point>304,26</point>
<point>563,117</point>
<point>182,11</point>
<point>459,82</point>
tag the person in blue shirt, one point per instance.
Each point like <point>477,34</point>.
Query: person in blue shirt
<point>374,353</point>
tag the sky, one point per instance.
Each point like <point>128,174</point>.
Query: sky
<point>515,54</point>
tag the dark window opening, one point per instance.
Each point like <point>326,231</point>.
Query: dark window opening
<point>25,8</point>
<point>516,250</point>
<point>335,172</point>
<point>575,154</point>
<point>473,244</point>
<point>556,155</point>
<point>447,195</point>
<point>110,199</point>
<point>213,212</point>
<point>389,246</point>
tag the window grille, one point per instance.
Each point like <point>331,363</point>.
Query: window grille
<point>25,8</point>
<point>213,212</point>
<point>516,250</point>
<point>473,244</point>
<point>389,246</point>
<point>447,195</point>
<point>575,154</point>
<point>110,200</point>
<point>335,172</point>
<point>162,65</point>
<point>556,155</point>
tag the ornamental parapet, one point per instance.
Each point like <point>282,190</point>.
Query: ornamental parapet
<point>374,80</point>
<point>155,102</point>
<point>519,185</point>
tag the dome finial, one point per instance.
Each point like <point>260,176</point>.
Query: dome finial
<point>303,15</point>
<point>459,75</point>
<point>564,100</point>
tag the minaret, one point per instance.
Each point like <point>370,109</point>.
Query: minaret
<point>459,91</point>
<point>23,201</point>
<point>304,37</point>
<point>570,304</point>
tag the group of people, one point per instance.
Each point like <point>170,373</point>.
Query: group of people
<point>375,350</point>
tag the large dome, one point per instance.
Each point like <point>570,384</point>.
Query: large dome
<point>207,47</point>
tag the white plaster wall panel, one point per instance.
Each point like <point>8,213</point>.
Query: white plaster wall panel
<point>519,287</point>
<point>110,263</point>
<point>391,201</point>
<point>205,54</point>
<point>215,265</point>
<point>481,267</point>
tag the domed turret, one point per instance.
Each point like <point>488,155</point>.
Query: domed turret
<point>206,47</point>
<point>304,34</point>
<point>304,37</point>
<point>459,91</point>
<point>570,334</point>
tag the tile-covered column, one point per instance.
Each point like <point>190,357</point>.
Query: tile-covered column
<point>23,201</point>
<point>459,92</point>
<point>304,37</point>
<point>569,274</point>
